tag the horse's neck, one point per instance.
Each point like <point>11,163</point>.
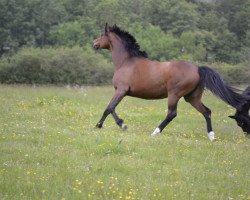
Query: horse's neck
<point>119,54</point>
<point>118,60</point>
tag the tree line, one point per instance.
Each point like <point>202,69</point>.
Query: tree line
<point>195,30</point>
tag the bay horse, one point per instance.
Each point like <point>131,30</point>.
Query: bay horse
<point>137,76</point>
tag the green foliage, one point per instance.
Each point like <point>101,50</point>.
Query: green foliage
<point>70,34</point>
<point>237,16</point>
<point>172,16</point>
<point>233,74</point>
<point>196,44</point>
<point>200,31</point>
<point>226,48</point>
<point>67,34</point>
<point>155,42</point>
<point>28,22</point>
<point>56,66</point>
<point>110,11</point>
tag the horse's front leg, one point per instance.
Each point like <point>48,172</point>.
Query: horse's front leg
<point>119,121</point>
<point>119,94</point>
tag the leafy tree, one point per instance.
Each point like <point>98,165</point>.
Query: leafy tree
<point>237,15</point>
<point>47,14</point>
<point>110,11</point>
<point>173,16</point>
<point>77,33</point>
<point>16,28</point>
<point>197,45</point>
<point>226,48</point>
<point>134,10</point>
<point>220,27</point>
<point>67,34</point>
<point>27,22</point>
<point>209,21</point>
<point>154,41</point>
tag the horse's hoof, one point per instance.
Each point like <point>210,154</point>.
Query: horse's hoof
<point>211,136</point>
<point>99,125</point>
<point>124,127</point>
<point>156,132</point>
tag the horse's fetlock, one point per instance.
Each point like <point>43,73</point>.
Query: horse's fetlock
<point>99,125</point>
<point>119,122</point>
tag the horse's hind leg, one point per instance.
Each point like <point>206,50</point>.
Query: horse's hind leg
<point>195,101</point>
<point>172,113</point>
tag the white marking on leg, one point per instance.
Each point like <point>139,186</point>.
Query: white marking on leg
<point>211,136</point>
<point>156,132</point>
<point>124,127</point>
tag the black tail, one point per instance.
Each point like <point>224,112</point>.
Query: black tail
<point>212,81</point>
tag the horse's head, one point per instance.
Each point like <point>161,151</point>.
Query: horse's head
<point>243,121</point>
<point>103,42</point>
<point>242,116</point>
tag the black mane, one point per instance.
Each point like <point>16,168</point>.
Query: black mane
<point>129,42</point>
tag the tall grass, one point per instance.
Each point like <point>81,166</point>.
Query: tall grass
<point>50,148</point>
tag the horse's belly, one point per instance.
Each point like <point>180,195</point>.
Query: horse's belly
<point>156,92</point>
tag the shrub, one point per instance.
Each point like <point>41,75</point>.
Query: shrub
<point>82,67</point>
<point>56,66</point>
<point>237,74</point>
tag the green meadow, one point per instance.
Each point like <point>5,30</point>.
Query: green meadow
<point>50,148</point>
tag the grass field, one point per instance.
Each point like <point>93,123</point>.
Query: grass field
<point>50,148</point>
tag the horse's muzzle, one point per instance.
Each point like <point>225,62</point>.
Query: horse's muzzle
<point>96,46</point>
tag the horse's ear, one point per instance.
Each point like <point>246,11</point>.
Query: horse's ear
<point>107,28</point>
<point>232,116</point>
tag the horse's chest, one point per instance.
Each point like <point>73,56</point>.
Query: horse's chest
<point>122,77</point>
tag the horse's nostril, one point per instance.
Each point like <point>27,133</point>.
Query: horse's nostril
<point>95,46</point>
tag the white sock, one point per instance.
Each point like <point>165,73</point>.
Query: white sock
<point>156,132</point>
<point>211,136</point>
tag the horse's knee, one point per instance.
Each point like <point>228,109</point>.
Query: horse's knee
<point>107,111</point>
<point>172,115</point>
<point>207,112</point>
